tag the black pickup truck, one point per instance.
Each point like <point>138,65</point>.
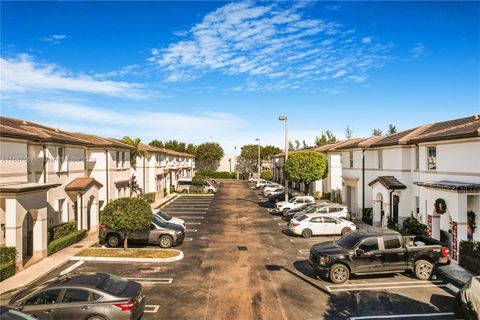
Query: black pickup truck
<point>377,250</point>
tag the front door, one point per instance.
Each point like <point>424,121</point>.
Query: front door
<point>27,231</point>
<point>371,259</point>
<point>396,200</point>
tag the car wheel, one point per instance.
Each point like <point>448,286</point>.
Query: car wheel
<point>339,273</point>
<point>113,240</point>
<point>165,241</point>
<point>284,212</point>
<point>96,318</point>
<point>185,191</point>
<point>306,233</point>
<point>345,231</point>
<point>423,269</point>
<point>210,191</point>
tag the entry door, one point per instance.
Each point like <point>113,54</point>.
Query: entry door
<point>27,230</point>
<point>396,200</point>
<point>349,197</point>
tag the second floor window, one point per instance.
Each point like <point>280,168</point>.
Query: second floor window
<point>380,159</point>
<point>432,158</point>
<point>117,159</point>
<point>123,159</point>
<point>417,158</point>
<point>350,158</point>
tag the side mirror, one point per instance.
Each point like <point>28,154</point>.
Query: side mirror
<point>360,252</point>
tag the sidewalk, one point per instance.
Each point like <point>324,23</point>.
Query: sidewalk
<point>360,224</point>
<point>455,273</point>
<point>30,274</point>
<point>157,204</point>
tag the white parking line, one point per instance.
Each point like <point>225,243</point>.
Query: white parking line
<point>152,280</point>
<point>188,239</point>
<point>154,307</point>
<point>185,212</point>
<point>282,223</point>
<point>191,217</point>
<point>380,283</point>
<point>453,288</point>
<point>368,288</point>
<point>304,251</point>
<point>277,218</point>
<point>306,240</point>
<point>394,316</point>
<point>72,267</point>
<point>191,230</point>
<point>192,223</point>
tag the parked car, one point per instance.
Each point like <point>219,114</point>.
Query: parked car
<point>185,186</point>
<point>319,225</point>
<point>377,250</point>
<point>262,183</point>
<point>306,209</point>
<point>467,302</point>
<point>281,196</point>
<point>165,234</point>
<point>169,219</point>
<point>267,192</point>
<point>293,203</point>
<point>273,186</point>
<point>337,211</point>
<point>81,296</point>
<point>8,313</point>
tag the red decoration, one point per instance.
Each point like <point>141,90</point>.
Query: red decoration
<point>454,242</point>
<point>429,225</point>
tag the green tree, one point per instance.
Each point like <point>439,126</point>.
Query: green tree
<point>391,129</point>
<point>157,143</point>
<point>266,174</point>
<point>290,146</point>
<point>297,145</point>
<point>348,132</point>
<point>127,215</point>
<point>191,149</point>
<point>249,153</point>
<point>377,132</point>
<point>325,138</point>
<point>306,167</point>
<point>208,156</point>
<point>175,145</point>
<point>136,152</point>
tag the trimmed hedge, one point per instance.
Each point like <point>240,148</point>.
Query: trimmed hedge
<point>8,259</point>
<point>59,244</point>
<point>217,174</point>
<point>61,231</point>
<point>149,197</point>
<point>7,270</point>
<point>412,226</point>
<point>470,255</point>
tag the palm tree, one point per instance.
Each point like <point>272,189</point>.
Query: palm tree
<point>134,153</point>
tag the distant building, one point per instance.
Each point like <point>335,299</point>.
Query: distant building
<point>227,163</point>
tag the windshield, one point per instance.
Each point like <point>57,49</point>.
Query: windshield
<point>292,200</point>
<point>311,209</point>
<point>113,284</point>
<point>349,240</point>
<point>164,215</point>
<point>159,221</point>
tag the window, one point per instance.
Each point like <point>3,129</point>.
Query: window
<point>75,295</point>
<point>316,220</point>
<point>61,161</point>
<point>45,297</point>
<point>369,245</point>
<point>380,159</point>
<point>329,220</point>
<point>391,243</point>
<point>417,205</point>
<point>117,159</point>
<point>62,215</point>
<point>432,158</point>
<point>350,156</point>
<point>417,158</point>
<point>123,159</point>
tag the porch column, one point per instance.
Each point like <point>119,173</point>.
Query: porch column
<point>460,218</point>
<point>40,231</point>
<point>13,229</point>
<point>79,212</point>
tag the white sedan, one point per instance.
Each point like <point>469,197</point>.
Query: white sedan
<point>308,225</point>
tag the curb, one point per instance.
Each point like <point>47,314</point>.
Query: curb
<point>455,280</point>
<point>114,259</point>
<point>167,202</point>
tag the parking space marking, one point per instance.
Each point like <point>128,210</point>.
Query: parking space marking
<point>380,283</point>
<point>72,267</point>
<point>191,217</point>
<point>415,315</point>
<point>187,223</point>
<point>154,307</point>
<point>453,288</point>
<point>306,240</point>
<point>304,251</point>
<point>385,285</point>
<point>186,212</point>
<point>282,223</point>
<point>152,280</point>
<point>277,218</point>
<point>188,239</point>
<point>191,230</point>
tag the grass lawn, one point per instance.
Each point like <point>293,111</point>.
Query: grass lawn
<point>130,253</point>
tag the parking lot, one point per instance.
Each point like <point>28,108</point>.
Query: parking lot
<point>241,263</point>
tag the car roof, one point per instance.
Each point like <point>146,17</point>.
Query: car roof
<point>375,232</point>
<point>91,280</point>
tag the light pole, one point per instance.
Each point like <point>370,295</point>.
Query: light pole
<point>235,161</point>
<point>258,163</point>
<point>284,118</point>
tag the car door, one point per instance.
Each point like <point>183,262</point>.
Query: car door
<point>75,304</point>
<point>329,225</point>
<point>315,224</point>
<point>394,254</point>
<point>371,259</point>
<point>142,235</point>
<point>42,305</point>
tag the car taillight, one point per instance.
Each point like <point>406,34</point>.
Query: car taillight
<point>445,252</point>
<point>294,224</point>
<point>103,227</point>
<point>127,306</point>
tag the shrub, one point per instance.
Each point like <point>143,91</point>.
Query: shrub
<point>61,231</point>
<point>217,174</point>
<point>412,226</point>
<point>266,174</point>
<point>172,189</point>
<point>367,216</point>
<point>149,197</point>
<point>470,255</point>
<point>199,180</point>
<point>326,195</point>
<point>317,195</point>
<point>7,270</point>
<point>8,255</point>
<point>61,243</point>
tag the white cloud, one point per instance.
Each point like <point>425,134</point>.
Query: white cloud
<point>23,75</point>
<point>419,50</point>
<point>55,38</point>
<point>269,41</point>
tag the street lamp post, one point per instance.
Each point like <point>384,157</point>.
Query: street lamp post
<point>284,118</point>
<point>258,162</point>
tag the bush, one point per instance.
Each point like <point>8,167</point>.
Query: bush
<point>266,174</point>
<point>412,226</point>
<point>59,244</point>
<point>61,230</point>
<point>199,180</point>
<point>470,255</point>
<point>7,270</point>
<point>367,216</point>
<point>326,195</point>
<point>172,189</point>
<point>149,197</point>
<point>217,174</point>
<point>8,255</point>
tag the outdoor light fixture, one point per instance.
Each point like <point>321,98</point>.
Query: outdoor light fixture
<point>258,163</point>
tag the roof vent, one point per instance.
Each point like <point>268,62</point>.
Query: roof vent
<point>24,122</point>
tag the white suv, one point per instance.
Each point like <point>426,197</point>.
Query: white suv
<point>294,203</point>
<point>333,210</point>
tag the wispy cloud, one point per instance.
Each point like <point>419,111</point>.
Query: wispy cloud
<point>24,75</point>
<point>419,50</point>
<point>274,45</point>
<point>55,38</point>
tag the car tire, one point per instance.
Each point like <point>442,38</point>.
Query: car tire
<point>284,212</point>
<point>165,242</point>
<point>210,191</point>
<point>184,191</point>
<point>96,318</point>
<point>345,231</point>
<point>306,233</point>
<point>423,269</point>
<point>339,273</point>
<point>114,240</point>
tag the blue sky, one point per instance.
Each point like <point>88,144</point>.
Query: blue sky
<point>224,71</point>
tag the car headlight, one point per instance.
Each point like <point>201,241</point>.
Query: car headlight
<point>179,232</point>
<point>324,260</point>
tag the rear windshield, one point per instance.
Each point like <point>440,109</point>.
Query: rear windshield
<point>348,241</point>
<point>164,215</point>
<point>113,285</point>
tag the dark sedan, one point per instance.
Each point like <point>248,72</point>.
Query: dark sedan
<point>281,196</point>
<point>92,296</point>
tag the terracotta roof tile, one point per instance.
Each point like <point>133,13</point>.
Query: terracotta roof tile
<point>80,184</point>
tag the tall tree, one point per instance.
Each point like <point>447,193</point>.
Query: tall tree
<point>306,167</point>
<point>175,145</point>
<point>208,156</point>
<point>191,148</point>
<point>291,147</point>
<point>305,146</point>
<point>325,138</point>
<point>297,145</point>
<point>391,129</point>
<point>136,152</point>
<point>249,153</point>
<point>157,143</point>
<point>377,132</point>
<point>348,132</point>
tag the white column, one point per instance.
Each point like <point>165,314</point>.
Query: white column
<point>13,228</point>
<point>40,230</point>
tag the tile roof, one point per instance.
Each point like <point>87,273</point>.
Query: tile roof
<point>351,144</point>
<point>103,142</point>
<point>149,148</point>
<point>83,183</point>
<point>450,185</point>
<point>389,182</point>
